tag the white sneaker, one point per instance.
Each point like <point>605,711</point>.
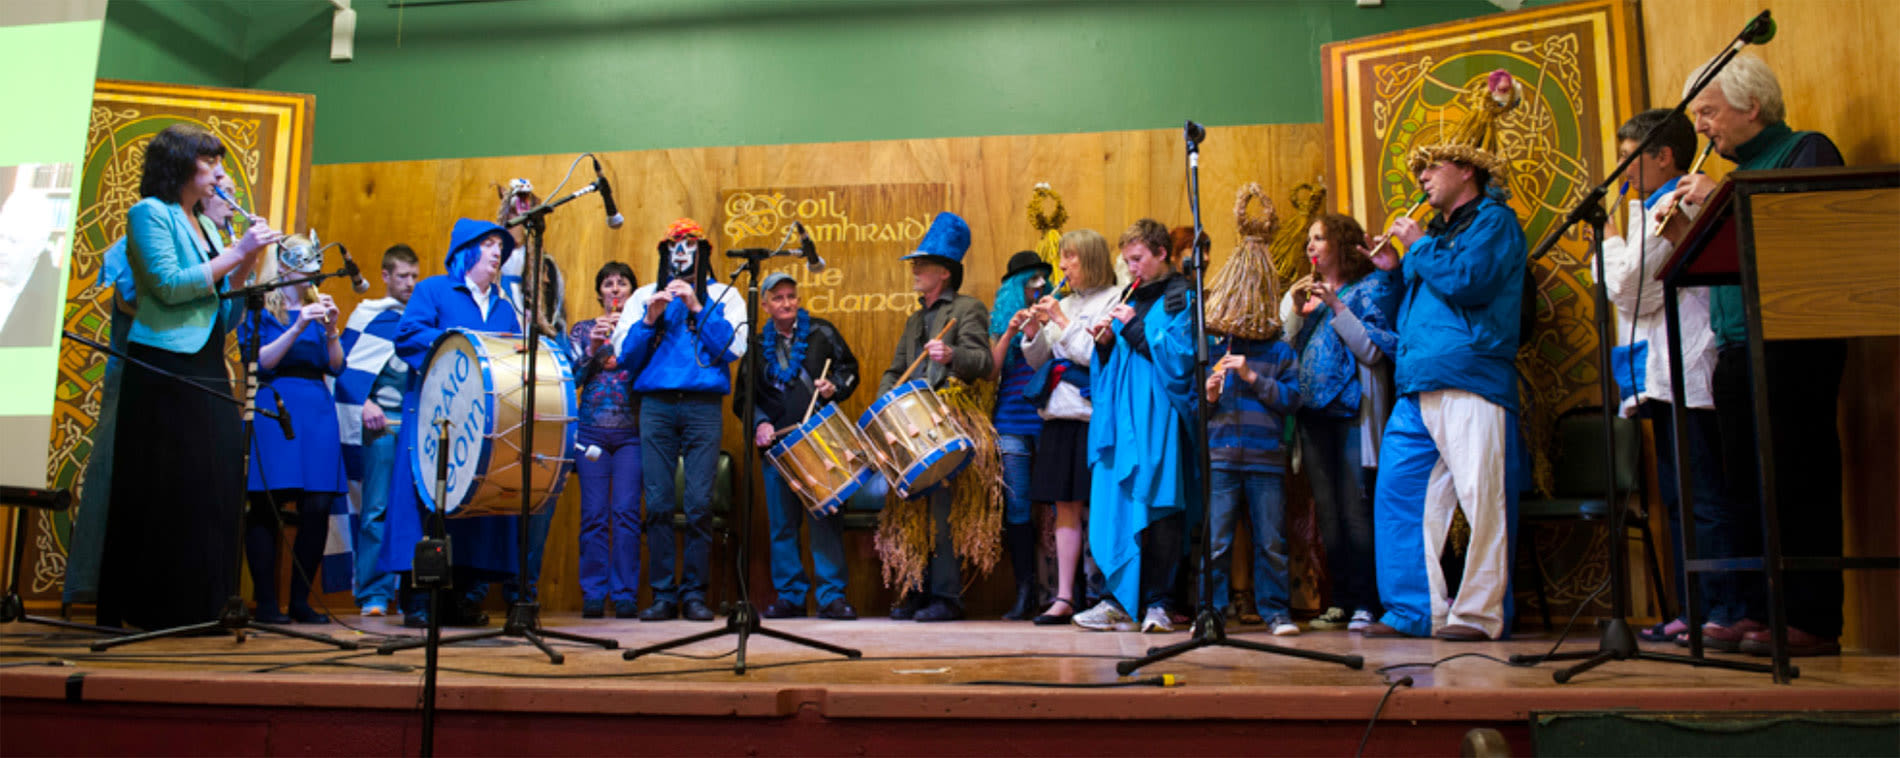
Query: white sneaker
<point>1283,627</point>
<point>1156,621</point>
<point>1360,620</point>
<point>1105,617</point>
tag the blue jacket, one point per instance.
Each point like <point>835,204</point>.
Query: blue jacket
<point>684,352</point>
<point>1458,321</point>
<point>178,301</point>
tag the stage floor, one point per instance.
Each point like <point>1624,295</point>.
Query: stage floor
<point>909,672</point>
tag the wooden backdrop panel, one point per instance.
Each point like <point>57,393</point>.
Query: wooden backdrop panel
<point>1835,66</point>
<point>1107,180</point>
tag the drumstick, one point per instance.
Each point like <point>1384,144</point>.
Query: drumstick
<point>920,358</point>
<point>822,373</point>
<point>1670,214</point>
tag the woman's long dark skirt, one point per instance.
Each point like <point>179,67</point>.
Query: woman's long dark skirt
<point>171,542</point>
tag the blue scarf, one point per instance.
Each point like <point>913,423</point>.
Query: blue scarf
<point>782,375</point>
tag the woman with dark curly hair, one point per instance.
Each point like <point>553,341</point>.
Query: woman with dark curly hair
<point>178,479</point>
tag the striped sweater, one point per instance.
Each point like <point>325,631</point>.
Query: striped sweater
<point>1246,429</point>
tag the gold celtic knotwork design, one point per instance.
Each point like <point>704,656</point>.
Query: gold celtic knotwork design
<point>749,215</point>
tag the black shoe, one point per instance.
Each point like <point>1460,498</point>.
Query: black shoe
<point>660,610</point>
<point>1025,605</point>
<point>1049,619</point>
<point>466,612</point>
<point>415,620</point>
<point>939,610</point>
<point>593,608</point>
<point>780,609</point>
<point>696,610</point>
<point>306,615</point>
<point>838,610</point>
<point>269,616</point>
<point>906,609</point>
<point>625,609</point>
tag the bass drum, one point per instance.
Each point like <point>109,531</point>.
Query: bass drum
<point>477,381</point>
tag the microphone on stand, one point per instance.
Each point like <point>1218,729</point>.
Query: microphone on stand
<point>349,266</point>
<point>813,263</point>
<point>1759,31</point>
<point>283,418</point>
<point>614,219</point>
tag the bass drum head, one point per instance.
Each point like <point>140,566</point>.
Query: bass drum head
<point>457,384</point>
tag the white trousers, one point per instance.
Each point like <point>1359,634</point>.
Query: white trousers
<point>1468,431</point>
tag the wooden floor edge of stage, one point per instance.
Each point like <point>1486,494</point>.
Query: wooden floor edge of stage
<point>744,699</point>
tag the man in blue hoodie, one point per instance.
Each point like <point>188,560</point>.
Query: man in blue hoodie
<point>683,331</point>
<point>1453,430</point>
<point>484,549</point>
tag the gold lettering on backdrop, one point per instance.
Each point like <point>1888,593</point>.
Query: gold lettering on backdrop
<point>861,231</point>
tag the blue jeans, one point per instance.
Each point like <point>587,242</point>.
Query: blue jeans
<point>1018,450</point>
<point>782,509</point>
<point>379,459</point>
<point>1710,506</point>
<point>610,515</point>
<point>1265,496</point>
<point>1342,503</point>
<point>672,430</point>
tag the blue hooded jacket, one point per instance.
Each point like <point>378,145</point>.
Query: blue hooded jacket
<point>1458,322</point>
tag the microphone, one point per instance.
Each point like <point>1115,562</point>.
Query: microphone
<point>283,417</point>
<point>614,219</point>
<point>1759,31</point>
<point>1195,132</point>
<point>349,267</point>
<point>813,263</point>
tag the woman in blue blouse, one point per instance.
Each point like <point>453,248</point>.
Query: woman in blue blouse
<point>170,547</point>
<point>297,350</point>
<point>610,485</point>
<point>1348,309</point>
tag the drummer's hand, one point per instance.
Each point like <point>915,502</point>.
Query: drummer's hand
<point>656,306</point>
<point>825,388</point>
<point>1122,313</point>
<point>763,435</point>
<point>373,418</point>
<point>682,289</point>
<point>938,351</point>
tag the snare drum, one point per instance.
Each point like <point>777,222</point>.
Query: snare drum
<point>824,460</point>
<point>915,440</point>
<point>475,380</point>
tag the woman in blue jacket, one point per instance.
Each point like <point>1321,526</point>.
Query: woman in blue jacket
<point>170,545</point>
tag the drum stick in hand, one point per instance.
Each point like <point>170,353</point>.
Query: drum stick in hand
<point>822,373</point>
<point>920,358</point>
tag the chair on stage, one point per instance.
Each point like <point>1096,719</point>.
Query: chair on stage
<point>1578,495</point>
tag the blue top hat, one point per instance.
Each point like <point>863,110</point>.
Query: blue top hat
<point>946,242</point>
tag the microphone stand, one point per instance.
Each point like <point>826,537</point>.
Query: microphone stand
<point>12,606</point>
<point>524,615</point>
<point>236,616</point>
<point>743,621</point>
<point>1617,642</point>
<point>1210,628</point>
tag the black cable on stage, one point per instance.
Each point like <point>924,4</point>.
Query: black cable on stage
<point>1404,681</point>
<point>1164,680</point>
<point>1527,664</point>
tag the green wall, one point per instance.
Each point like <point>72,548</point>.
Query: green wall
<point>471,79</point>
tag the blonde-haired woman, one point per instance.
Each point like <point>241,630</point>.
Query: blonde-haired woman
<point>298,347</point>
<point>1059,335</point>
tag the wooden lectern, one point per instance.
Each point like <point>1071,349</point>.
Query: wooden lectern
<point>1816,252</point>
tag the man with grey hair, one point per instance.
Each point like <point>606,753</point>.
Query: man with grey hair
<point>1742,112</point>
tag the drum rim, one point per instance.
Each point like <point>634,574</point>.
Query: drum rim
<point>800,432</point>
<point>925,461</point>
<point>835,503</point>
<point>425,485</point>
<point>884,401</point>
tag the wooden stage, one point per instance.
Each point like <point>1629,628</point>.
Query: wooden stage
<point>915,692</point>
